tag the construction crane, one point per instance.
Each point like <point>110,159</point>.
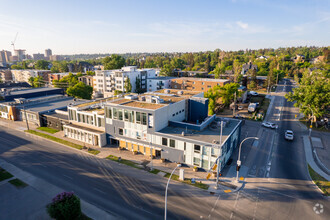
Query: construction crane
<point>13,42</point>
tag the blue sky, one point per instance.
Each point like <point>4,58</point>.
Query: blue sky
<point>101,26</point>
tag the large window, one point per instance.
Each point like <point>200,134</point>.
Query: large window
<point>197,148</point>
<point>196,161</point>
<point>131,119</point>
<point>121,131</point>
<point>108,112</point>
<point>172,143</point>
<point>138,117</point>
<point>120,114</point>
<point>115,113</point>
<point>205,150</point>
<point>125,115</point>
<point>144,118</point>
<point>164,141</point>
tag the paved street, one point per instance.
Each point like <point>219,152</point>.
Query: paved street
<point>277,184</point>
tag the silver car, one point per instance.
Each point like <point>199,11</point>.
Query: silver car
<point>289,135</point>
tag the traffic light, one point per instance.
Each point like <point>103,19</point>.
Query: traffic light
<point>238,167</point>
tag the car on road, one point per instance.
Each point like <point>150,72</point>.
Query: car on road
<point>269,124</point>
<point>289,135</point>
<point>253,93</point>
<point>240,107</point>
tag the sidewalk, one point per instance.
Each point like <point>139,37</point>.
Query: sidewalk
<point>36,196</point>
<point>310,158</point>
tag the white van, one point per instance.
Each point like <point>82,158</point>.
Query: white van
<point>252,107</point>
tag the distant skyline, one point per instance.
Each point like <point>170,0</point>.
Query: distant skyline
<point>106,26</point>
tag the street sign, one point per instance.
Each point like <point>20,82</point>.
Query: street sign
<point>238,163</point>
<point>214,166</point>
<point>311,126</point>
<point>208,176</point>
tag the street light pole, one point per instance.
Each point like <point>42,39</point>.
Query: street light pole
<point>310,128</point>
<point>168,182</point>
<point>218,161</point>
<point>151,151</point>
<point>239,155</point>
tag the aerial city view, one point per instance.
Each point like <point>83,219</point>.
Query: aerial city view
<point>215,109</point>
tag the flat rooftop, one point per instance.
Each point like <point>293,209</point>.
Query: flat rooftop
<point>27,91</point>
<point>50,106</point>
<point>208,135</point>
<point>140,104</point>
<point>162,78</point>
<point>185,93</point>
<point>57,115</point>
<point>203,79</point>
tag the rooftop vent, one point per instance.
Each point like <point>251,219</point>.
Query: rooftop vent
<point>182,133</point>
<point>167,91</point>
<point>180,92</point>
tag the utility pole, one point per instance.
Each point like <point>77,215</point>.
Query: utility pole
<point>234,105</point>
<point>151,151</point>
<point>27,124</point>
<point>218,161</point>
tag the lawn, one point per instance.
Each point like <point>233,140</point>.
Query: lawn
<point>123,161</point>
<point>49,130</point>
<point>68,143</point>
<point>322,183</point>
<point>18,183</point>
<point>93,151</point>
<point>4,174</point>
<point>307,123</point>
<point>187,181</point>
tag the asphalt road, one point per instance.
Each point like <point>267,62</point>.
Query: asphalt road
<point>277,184</point>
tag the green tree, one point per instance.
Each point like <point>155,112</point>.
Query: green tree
<point>16,67</point>
<point>31,80</point>
<point>313,94</point>
<point>252,81</point>
<point>177,63</point>
<point>65,206</point>
<point>166,70</point>
<point>113,62</point>
<point>41,65</point>
<point>237,68</point>
<point>38,82</point>
<point>128,85</point>
<point>80,90</point>
<point>138,88</point>
<point>90,73</point>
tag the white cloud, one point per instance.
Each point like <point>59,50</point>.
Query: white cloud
<point>242,25</point>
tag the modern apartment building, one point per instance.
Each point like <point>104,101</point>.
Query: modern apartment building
<point>5,57</point>
<point>48,53</point>
<point>87,80</point>
<point>158,83</point>
<point>197,84</point>
<point>86,123</point>
<point>24,75</point>
<point>173,125</point>
<point>107,81</point>
<point>38,56</point>
<point>6,75</point>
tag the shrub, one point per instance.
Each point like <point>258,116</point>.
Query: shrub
<point>65,206</point>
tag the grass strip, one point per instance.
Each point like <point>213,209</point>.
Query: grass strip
<point>187,181</point>
<point>49,130</point>
<point>4,175</point>
<point>123,161</point>
<point>18,183</point>
<point>156,171</point>
<point>321,182</point>
<point>68,143</point>
<point>93,151</point>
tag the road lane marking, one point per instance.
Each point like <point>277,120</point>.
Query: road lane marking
<point>99,190</point>
<point>69,177</point>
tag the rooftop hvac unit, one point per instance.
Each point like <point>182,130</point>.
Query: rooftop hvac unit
<point>180,92</point>
<point>167,91</point>
<point>142,98</point>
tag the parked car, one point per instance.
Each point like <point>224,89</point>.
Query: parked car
<point>269,125</point>
<point>240,107</point>
<point>289,135</point>
<point>238,116</point>
<point>253,93</point>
